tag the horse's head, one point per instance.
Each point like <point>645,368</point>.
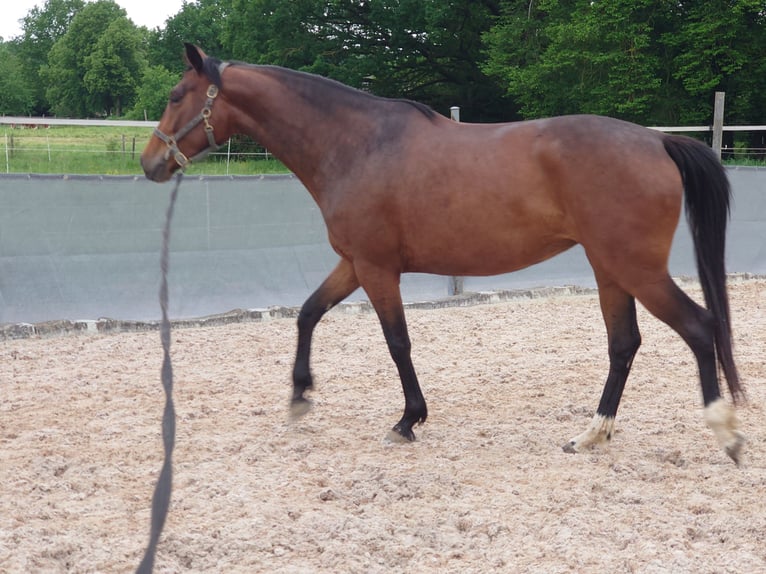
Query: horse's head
<point>192,124</point>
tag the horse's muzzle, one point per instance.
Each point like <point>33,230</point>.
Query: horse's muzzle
<point>156,169</point>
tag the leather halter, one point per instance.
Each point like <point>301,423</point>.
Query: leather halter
<point>203,117</point>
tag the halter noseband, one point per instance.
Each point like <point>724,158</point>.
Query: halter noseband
<point>203,117</point>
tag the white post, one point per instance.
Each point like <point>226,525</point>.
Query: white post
<point>228,156</point>
<point>718,123</point>
<point>455,284</point>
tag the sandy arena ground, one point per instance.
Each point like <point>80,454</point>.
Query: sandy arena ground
<point>485,488</point>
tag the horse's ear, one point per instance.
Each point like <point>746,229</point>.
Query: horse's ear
<point>195,56</point>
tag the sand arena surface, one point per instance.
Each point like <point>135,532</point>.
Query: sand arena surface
<point>486,487</point>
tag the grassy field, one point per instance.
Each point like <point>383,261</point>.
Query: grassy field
<point>116,151</point>
<point>104,151</point>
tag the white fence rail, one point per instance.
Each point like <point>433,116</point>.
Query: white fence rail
<point>23,121</point>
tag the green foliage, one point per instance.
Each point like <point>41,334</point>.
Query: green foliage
<point>649,61</point>
<point>114,67</point>
<point>200,22</point>
<point>64,93</point>
<point>719,46</point>
<point>152,93</point>
<point>42,27</point>
<point>585,57</point>
<point>94,67</point>
<point>427,50</point>
<point>16,94</point>
<point>273,32</point>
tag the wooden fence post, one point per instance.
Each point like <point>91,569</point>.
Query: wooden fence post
<point>455,284</point>
<point>718,123</point>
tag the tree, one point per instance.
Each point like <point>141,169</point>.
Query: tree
<point>16,95</point>
<point>579,56</point>
<point>152,93</point>
<point>41,28</point>
<point>429,50</point>
<point>71,58</point>
<point>200,23</point>
<point>276,32</point>
<point>114,67</point>
<point>718,46</point>
<point>649,61</point>
<point>65,92</point>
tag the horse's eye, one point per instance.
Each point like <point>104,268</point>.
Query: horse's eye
<point>175,96</point>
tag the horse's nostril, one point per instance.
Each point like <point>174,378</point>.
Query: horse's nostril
<point>155,170</point>
<point>146,166</point>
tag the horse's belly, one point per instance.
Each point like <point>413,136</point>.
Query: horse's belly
<point>472,256</point>
<point>489,226</point>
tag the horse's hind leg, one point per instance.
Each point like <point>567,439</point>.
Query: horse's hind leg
<point>339,284</point>
<point>619,311</point>
<point>665,300</point>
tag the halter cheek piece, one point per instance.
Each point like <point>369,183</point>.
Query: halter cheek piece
<point>203,117</point>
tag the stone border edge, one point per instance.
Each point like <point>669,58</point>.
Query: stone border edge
<point>105,325</point>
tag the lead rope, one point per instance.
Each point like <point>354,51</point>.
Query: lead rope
<point>161,498</point>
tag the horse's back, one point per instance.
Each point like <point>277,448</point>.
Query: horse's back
<point>547,184</point>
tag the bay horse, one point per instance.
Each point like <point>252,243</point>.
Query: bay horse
<point>404,189</point>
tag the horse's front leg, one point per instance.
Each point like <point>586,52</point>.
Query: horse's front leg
<point>339,284</point>
<point>383,290</point>
<point>415,410</point>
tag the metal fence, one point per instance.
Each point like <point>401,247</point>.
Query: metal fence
<point>28,135</point>
<point>24,146</point>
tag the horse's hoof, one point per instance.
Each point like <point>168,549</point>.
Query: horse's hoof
<point>299,407</point>
<point>397,435</point>
<point>723,420</point>
<point>569,447</point>
<point>734,450</point>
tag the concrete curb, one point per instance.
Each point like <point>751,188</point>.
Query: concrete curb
<point>106,325</point>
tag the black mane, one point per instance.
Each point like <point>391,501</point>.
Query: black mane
<point>341,92</point>
<point>211,68</point>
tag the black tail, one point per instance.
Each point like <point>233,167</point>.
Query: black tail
<point>708,194</point>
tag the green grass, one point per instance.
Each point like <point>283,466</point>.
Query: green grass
<point>745,161</point>
<point>104,151</point>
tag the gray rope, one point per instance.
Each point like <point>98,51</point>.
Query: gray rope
<point>161,498</point>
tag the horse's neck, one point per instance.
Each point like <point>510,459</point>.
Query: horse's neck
<point>294,127</point>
